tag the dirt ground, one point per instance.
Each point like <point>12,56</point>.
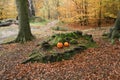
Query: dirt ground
<point>100,63</point>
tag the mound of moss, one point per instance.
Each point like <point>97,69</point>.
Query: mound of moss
<point>48,52</point>
<point>68,37</point>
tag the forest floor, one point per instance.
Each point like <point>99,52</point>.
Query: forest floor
<point>100,63</point>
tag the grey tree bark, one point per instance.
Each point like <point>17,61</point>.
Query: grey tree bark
<point>115,31</point>
<point>24,26</point>
<point>31,8</point>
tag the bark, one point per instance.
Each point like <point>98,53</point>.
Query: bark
<point>57,6</point>
<point>47,7</point>
<point>31,8</point>
<point>115,32</point>
<point>49,16</point>
<point>117,22</point>
<point>85,12</point>
<point>100,15</point>
<point>24,26</point>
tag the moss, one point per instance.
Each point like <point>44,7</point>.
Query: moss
<point>34,56</point>
<point>45,45</point>
<point>73,41</point>
<point>65,37</point>
<point>78,43</point>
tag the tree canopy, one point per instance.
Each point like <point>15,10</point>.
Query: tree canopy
<point>66,10</point>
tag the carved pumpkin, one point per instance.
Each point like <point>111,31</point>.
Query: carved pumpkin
<point>59,44</point>
<point>66,44</point>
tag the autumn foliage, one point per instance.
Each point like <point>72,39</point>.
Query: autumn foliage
<point>81,11</point>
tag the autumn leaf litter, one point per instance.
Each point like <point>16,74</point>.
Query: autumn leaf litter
<point>101,63</point>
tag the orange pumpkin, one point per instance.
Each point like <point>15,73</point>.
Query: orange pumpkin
<point>59,44</point>
<point>66,44</point>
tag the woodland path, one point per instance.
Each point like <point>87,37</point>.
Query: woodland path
<point>12,30</point>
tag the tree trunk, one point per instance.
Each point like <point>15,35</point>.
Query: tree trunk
<point>49,16</point>
<point>58,5</point>
<point>24,26</point>
<point>86,13</point>
<point>115,32</point>
<point>31,8</point>
<point>47,7</point>
<point>100,14</point>
<point>117,22</point>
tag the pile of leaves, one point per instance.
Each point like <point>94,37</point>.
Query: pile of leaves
<point>48,52</point>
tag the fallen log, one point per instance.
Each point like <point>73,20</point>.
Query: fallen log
<point>8,22</point>
<point>5,24</point>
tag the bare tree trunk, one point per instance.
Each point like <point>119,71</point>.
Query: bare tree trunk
<point>24,26</point>
<point>100,15</point>
<point>117,22</point>
<point>49,16</point>
<point>47,7</point>
<point>115,32</point>
<point>58,5</point>
<point>86,13</point>
<point>31,8</point>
